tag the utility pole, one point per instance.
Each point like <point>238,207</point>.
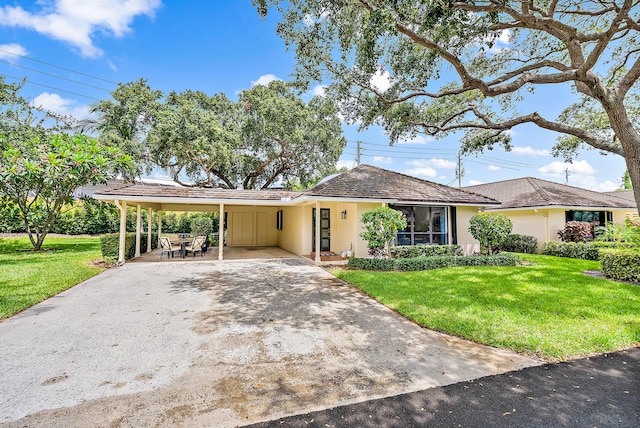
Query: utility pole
<point>358,153</point>
<point>459,170</point>
<point>566,176</point>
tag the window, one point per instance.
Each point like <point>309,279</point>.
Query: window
<point>425,225</point>
<point>279,224</point>
<point>596,218</point>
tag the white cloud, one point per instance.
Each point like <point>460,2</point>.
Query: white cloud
<point>433,162</point>
<point>12,52</point>
<point>112,66</point>
<point>418,139</point>
<point>349,164</point>
<point>381,80</point>
<point>529,151</point>
<point>76,21</point>
<point>475,182</point>
<point>382,159</point>
<point>494,168</point>
<point>422,172</point>
<point>64,106</point>
<point>265,79</point>
<point>319,91</point>
<point>558,169</point>
<point>607,186</point>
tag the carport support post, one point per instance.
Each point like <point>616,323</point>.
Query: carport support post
<point>122,206</point>
<point>159,226</point>
<point>221,231</point>
<point>138,227</point>
<point>318,237</point>
<point>149,218</point>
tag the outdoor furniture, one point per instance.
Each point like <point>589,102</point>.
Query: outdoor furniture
<point>196,246</point>
<point>166,247</point>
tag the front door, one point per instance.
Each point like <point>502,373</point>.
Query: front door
<point>325,229</point>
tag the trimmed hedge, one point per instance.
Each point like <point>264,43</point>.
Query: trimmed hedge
<point>623,264</point>
<point>435,262</point>
<point>109,245</point>
<point>574,250</point>
<point>412,251</point>
<point>520,244</point>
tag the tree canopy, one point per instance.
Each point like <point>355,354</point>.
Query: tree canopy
<point>270,135</point>
<point>448,66</point>
<point>41,166</point>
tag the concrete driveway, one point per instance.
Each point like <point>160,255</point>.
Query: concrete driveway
<point>218,344</point>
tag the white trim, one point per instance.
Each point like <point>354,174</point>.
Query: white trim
<point>559,207</point>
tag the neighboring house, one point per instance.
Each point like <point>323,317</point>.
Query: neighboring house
<point>541,208</point>
<point>436,213</point>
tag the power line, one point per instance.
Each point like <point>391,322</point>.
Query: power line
<point>50,87</point>
<point>59,67</point>
<point>56,76</point>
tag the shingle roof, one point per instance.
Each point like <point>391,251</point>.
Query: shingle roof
<point>370,182</point>
<point>363,182</point>
<point>156,191</point>
<point>624,194</point>
<point>532,192</point>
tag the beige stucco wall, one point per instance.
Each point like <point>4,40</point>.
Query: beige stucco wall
<point>295,230</point>
<point>465,240</point>
<point>256,224</point>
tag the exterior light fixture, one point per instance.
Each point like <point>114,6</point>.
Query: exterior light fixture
<point>343,215</point>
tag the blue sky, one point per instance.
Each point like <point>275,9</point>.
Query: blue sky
<point>80,49</point>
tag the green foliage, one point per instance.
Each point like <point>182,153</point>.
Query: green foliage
<point>270,134</point>
<point>490,230</point>
<point>621,264</point>
<point>109,245</point>
<point>574,250</point>
<point>520,244</point>
<point>576,231</point>
<point>434,262</point>
<point>380,226</point>
<point>201,225</point>
<point>618,232</point>
<point>411,251</point>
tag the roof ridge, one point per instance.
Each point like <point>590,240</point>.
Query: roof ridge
<point>543,193</point>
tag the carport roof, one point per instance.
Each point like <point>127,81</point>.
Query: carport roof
<point>146,191</point>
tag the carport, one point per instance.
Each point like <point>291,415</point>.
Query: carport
<point>252,216</point>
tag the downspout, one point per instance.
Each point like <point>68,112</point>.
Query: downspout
<point>123,229</point>
<point>546,224</point>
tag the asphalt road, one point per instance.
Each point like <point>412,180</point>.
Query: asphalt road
<point>602,391</point>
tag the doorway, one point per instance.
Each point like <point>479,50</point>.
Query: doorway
<point>325,230</point>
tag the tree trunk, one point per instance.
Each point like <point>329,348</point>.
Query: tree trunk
<point>630,140</point>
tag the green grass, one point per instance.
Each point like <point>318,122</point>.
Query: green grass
<point>548,309</point>
<point>27,278</point>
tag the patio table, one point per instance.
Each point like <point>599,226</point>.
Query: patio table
<point>183,243</point>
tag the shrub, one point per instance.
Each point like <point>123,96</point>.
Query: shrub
<point>490,230</point>
<point>412,251</point>
<point>202,225</point>
<point>574,250</point>
<point>520,244</point>
<point>622,264</point>
<point>109,245</point>
<point>435,262</point>
<point>380,226</point>
<point>371,263</point>
<point>576,231</point>
<point>618,232</point>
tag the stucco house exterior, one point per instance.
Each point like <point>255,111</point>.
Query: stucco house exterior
<point>323,220</point>
<point>540,208</point>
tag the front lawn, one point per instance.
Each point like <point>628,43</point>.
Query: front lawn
<point>548,309</point>
<point>27,278</point>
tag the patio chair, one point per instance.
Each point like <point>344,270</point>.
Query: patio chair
<point>196,246</point>
<point>166,247</point>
